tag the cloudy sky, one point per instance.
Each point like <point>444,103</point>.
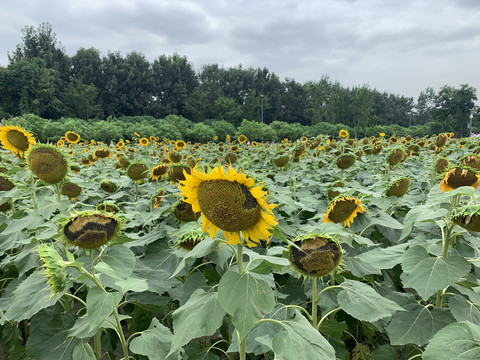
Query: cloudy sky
<point>400,47</point>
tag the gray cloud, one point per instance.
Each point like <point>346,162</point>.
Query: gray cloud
<point>399,47</point>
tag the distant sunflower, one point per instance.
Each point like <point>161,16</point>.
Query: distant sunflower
<point>137,171</point>
<point>72,137</point>
<point>144,141</point>
<point>102,153</point>
<point>71,190</point>
<point>229,202</point>
<point>398,187</point>
<point>180,144</point>
<point>60,143</point>
<point>242,138</point>
<point>345,161</point>
<point>459,176</point>
<point>120,144</point>
<point>382,134</point>
<point>343,133</point>
<point>16,139</point>
<point>158,171</point>
<point>468,217</point>
<point>343,210</point>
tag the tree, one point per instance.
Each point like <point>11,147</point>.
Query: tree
<point>362,108</point>
<point>453,108</point>
<point>425,104</point>
<point>79,100</point>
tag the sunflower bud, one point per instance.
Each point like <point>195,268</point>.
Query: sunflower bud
<point>54,267</point>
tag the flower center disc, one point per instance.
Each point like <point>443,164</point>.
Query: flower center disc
<point>318,256</point>
<point>92,231</point>
<point>18,139</point>
<point>228,205</point>
<point>47,165</point>
<point>342,210</point>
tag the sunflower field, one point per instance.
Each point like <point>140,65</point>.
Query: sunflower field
<point>319,248</point>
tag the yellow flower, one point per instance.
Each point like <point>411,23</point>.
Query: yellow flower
<point>459,176</point>
<point>343,133</point>
<point>242,139</point>
<point>343,209</point>
<point>120,144</point>
<point>60,143</point>
<point>144,141</point>
<point>16,139</point>
<point>229,201</point>
<point>382,134</point>
<point>180,144</point>
<point>72,137</point>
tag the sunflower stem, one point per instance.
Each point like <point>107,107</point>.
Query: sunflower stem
<point>242,347</point>
<point>121,335</point>
<point>34,196</point>
<point>240,258</point>
<point>314,303</point>
<point>97,344</point>
<point>57,191</point>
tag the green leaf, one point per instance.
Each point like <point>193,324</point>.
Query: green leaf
<point>100,305</point>
<point>48,336</point>
<point>383,258</point>
<point>427,274</point>
<point>132,284</point>
<point>360,268</point>
<point>462,309</point>
<point>301,341</point>
<point>83,351</point>
<point>154,342</point>
<point>456,341</point>
<point>120,260</point>
<point>31,295</point>
<point>363,303</point>
<point>418,214</point>
<point>246,298</point>
<point>202,310</point>
<point>417,324</point>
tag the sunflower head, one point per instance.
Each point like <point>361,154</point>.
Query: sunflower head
<point>458,176</point>
<point>101,153</point>
<point>16,139</point>
<point>108,208</point>
<point>158,172</point>
<point>315,255</point>
<point>183,212</point>
<point>441,165</point>
<point>137,171</point>
<point>332,193</point>
<point>230,202</point>
<point>230,158</point>
<point>441,140</point>
<point>343,209</point>
<point>190,239</point>
<point>472,160</point>
<point>242,138</point>
<point>281,160</point>
<point>72,137</point>
<point>91,229</point>
<point>108,186</point>
<point>6,184</point>
<point>345,161</point>
<point>71,190</point>
<point>143,141</point>
<point>174,157</point>
<point>176,172</point>
<point>396,155</point>
<point>468,217</point>
<point>343,133</point>
<point>54,267</point>
<point>398,187</point>
<point>47,163</point>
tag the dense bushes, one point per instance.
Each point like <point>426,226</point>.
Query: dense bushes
<point>178,127</point>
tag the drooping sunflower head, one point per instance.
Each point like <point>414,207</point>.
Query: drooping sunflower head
<point>102,153</point>
<point>71,190</point>
<point>91,229</point>
<point>158,172</point>
<point>72,137</point>
<point>398,187</point>
<point>137,171</point>
<point>176,172</point>
<point>16,139</point>
<point>108,186</point>
<point>332,193</point>
<point>343,209</point>
<point>441,165</point>
<point>396,155</point>
<point>54,267</point>
<point>183,212</point>
<point>441,140</point>
<point>315,255</point>
<point>108,208</point>
<point>468,217</point>
<point>6,184</point>
<point>230,158</point>
<point>188,240</point>
<point>458,176</point>
<point>174,157</point>
<point>229,201</point>
<point>47,163</point>
<point>345,161</point>
<point>281,160</point>
<point>472,160</point>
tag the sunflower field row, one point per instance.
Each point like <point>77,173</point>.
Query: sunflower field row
<point>235,249</point>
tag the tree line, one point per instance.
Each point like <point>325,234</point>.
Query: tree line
<point>41,79</point>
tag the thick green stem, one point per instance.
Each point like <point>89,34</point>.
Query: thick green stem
<point>240,258</point>
<point>34,195</point>
<point>314,303</point>
<point>121,336</point>
<point>242,347</point>
<point>98,344</point>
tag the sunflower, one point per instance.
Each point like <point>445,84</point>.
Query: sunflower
<point>472,161</point>
<point>143,141</point>
<point>16,139</point>
<point>176,172</point>
<point>47,163</point>
<point>102,153</point>
<point>242,138</point>
<point>396,156</point>
<point>108,208</point>
<point>137,171</point>
<point>120,144</point>
<point>343,133</point>
<point>54,267</point>
<point>332,193</point>
<point>158,171</point>
<point>72,137</point>
<point>60,143</point>
<point>343,209</point>
<point>345,161</point>
<point>183,212</point>
<point>468,217</point>
<point>180,144</point>
<point>281,160</point>
<point>228,201</point>
<point>398,187</point>
<point>174,157</point>
<point>382,134</point>
<point>190,239</point>
<point>157,199</point>
<point>441,165</point>
<point>441,140</point>
<point>459,176</point>
<point>71,190</point>
<point>315,255</point>
<point>91,229</point>
<point>108,186</point>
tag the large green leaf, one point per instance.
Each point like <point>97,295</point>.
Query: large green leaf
<point>383,258</point>
<point>364,303</point>
<point>427,274</point>
<point>246,298</point>
<point>417,324</point>
<point>117,259</point>
<point>462,309</point>
<point>83,351</point>
<point>154,342</point>
<point>300,341</point>
<point>202,310</point>
<point>100,305</point>
<point>418,214</point>
<point>456,341</point>
<point>31,295</point>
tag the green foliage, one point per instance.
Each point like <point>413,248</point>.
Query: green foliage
<point>256,131</point>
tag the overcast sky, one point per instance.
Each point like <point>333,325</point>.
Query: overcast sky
<point>398,46</point>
